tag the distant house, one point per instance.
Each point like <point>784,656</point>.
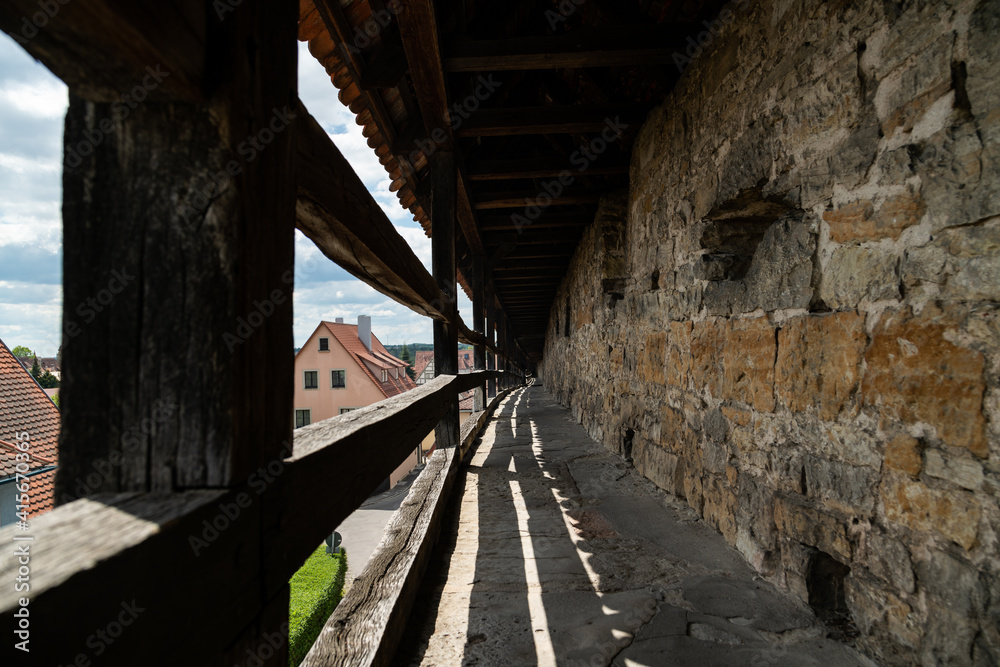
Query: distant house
<point>343,367</point>
<point>27,415</point>
<point>50,364</point>
<point>424,365</point>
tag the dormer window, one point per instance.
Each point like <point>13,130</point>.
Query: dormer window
<point>385,375</point>
<point>324,344</point>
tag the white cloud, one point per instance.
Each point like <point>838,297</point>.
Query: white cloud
<point>47,99</point>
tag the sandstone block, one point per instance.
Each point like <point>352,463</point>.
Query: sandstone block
<point>819,360</point>
<point>748,354</point>
<point>903,453</point>
<point>855,274</point>
<point>916,374</point>
<point>796,519</point>
<point>953,515</point>
<point>861,221</point>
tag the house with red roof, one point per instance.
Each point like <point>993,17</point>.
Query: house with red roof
<point>29,442</point>
<point>423,366</point>
<point>343,367</point>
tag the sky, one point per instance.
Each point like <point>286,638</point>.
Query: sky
<point>32,108</point>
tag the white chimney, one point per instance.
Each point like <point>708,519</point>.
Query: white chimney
<point>340,320</point>
<point>365,331</point>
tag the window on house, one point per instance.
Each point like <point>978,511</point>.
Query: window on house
<point>303,418</point>
<point>385,375</point>
<point>324,344</point>
<point>344,411</point>
<point>310,379</point>
<point>338,379</point>
<point>395,373</point>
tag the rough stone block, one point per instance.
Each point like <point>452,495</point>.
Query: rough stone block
<point>963,263</point>
<point>889,559</point>
<point>855,274</point>
<point>861,221</point>
<point>798,520</point>
<point>748,354</point>
<point>915,373</point>
<point>953,515</point>
<point>819,360</point>
<point>847,488</point>
<point>903,453</point>
<point>960,471</point>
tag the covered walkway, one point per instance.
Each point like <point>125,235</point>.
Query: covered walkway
<point>556,552</point>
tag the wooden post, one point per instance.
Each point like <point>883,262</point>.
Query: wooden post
<point>491,358</point>
<point>479,324</point>
<point>179,219</point>
<point>444,189</point>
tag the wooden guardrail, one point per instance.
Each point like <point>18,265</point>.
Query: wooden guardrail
<point>142,551</point>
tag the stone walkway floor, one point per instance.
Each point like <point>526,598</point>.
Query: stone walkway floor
<point>557,552</point>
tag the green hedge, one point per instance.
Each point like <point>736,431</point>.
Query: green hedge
<point>315,591</point>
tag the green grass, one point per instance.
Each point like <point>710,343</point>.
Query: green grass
<point>315,591</point>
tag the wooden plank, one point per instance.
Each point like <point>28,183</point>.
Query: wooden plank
<point>611,120</point>
<point>444,173</point>
<point>418,28</point>
<point>104,49</point>
<point>543,167</point>
<point>603,46</point>
<point>491,360</point>
<point>525,198</point>
<point>530,236</point>
<point>199,236</point>
<point>367,625</point>
<point>336,211</point>
<point>479,324</point>
<point>102,549</point>
<point>371,443</point>
<point>550,219</point>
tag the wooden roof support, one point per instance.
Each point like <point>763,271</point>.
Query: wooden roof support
<point>418,28</point>
<point>599,46</point>
<point>525,198</point>
<point>612,120</point>
<point>103,49</point>
<point>445,194</point>
<point>542,167</point>
<point>549,219</point>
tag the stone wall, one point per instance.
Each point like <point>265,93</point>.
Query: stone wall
<point>791,318</point>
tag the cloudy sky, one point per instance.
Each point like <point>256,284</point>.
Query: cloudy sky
<point>32,106</point>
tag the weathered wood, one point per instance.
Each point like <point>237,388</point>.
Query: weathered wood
<point>553,120</point>
<point>550,219</point>
<point>367,625</point>
<point>197,241</point>
<point>543,167</point>
<point>104,49</point>
<point>443,228</point>
<point>525,198</point>
<point>479,324</point>
<point>418,28</point>
<point>603,46</point>
<point>336,211</point>
<point>103,550</point>
<point>370,443</point>
<point>491,359</point>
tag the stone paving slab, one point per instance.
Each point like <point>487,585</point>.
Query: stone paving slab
<point>558,553</point>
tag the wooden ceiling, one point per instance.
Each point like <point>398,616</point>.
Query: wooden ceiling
<point>527,93</point>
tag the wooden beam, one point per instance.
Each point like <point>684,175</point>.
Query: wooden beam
<point>612,120</point>
<point>418,27</point>
<point>445,193</point>
<point>106,49</point>
<point>368,624</point>
<point>543,167</point>
<point>550,219</point>
<point>530,236</point>
<point>526,198</point>
<point>338,214</point>
<point>478,283</point>
<point>529,266</point>
<point>602,46</point>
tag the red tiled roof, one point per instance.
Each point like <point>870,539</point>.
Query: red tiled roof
<point>24,407</point>
<point>347,335</point>
<point>466,361</point>
<point>466,401</point>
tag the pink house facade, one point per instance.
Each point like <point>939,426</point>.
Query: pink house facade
<point>343,367</point>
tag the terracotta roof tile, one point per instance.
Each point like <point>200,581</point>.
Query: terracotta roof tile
<point>24,407</point>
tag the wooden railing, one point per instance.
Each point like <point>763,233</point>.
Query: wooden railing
<point>93,558</point>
